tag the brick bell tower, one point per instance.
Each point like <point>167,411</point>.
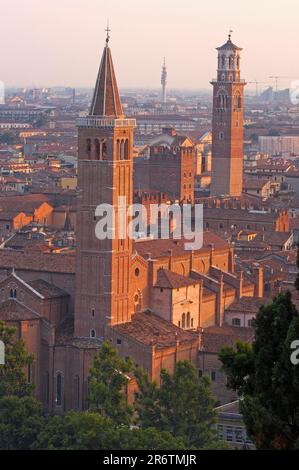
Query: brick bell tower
<point>227,128</point>
<point>105,172</point>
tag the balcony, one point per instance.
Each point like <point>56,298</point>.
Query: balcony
<point>103,122</point>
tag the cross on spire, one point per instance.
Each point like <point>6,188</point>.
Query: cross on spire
<point>108,30</point>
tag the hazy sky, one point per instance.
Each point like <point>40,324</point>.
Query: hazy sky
<point>60,42</point>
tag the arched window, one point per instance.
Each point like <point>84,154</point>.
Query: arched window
<point>236,322</point>
<point>59,389</point>
<point>238,62</point>
<point>191,322</point>
<point>93,333</point>
<point>118,149</point>
<point>221,135</point>
<point>97,149</point>
<point>184,320</point>
<point>231,61</point>
<point>88,149</point>
<point>188,319</point>
<point>137,302</point>
<point>11,293</point>
<point>122,150</point>
<point>46,386</point>
<point>77,392</point>
<point>29,374</point>
<point>15,293</point>
<point>126,150</point>
<point>238,101</point>
<point>104,150</point>
<point>223,61</point>
<point>222,101</point>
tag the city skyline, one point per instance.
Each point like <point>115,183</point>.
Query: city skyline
<point>68,38</point>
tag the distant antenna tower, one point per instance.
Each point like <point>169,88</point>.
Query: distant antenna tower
<point>164,81</point>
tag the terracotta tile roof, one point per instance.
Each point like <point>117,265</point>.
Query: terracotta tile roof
<point>149,329</point>
<point>24,203</point>
<point>13,310</point>
<point>247,305</point>
<point>161,248</point>
<point>251,183</point>
<point>47,290</point>
<point>218,213</point>
<point>170,280</point>
<point>214,338</point>
<point>35,261</point>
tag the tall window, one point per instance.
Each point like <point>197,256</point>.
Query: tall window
<point>184,320</point>
<point>30,374</point>
<point>46,387</point>
<point>238,101</point>
<point>188,319</point>
<point>77,392</point>
<point>222,101</point>
<point>126,150</point>
<point>59,389</point>
<point>104,149</point>
<point>97,149</point>
<point>88,149</point>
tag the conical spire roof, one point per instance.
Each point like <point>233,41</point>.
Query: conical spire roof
<point>106,100</point>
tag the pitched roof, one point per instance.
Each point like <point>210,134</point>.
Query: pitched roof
<point>149,329</point>
<point>247,305</point>
<point>160,248</point>
<point>214,338</point>
<point>106,100</point>
<point>229,45</point>
<point>35,261</point>
<point>13,310</point>
<point>48,291</point>
<point>170,280</point>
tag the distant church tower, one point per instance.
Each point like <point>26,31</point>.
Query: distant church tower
<point>164,82</point>
<point>227,128</point>
<point>105,172</point>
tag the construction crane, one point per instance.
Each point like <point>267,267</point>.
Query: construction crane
<point>276,78</point>
<point>257,83</point>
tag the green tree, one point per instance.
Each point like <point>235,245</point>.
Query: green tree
<point>13,379</point>
<point>183,405</point>
<point>107,385</point>
<point>20,422</point>
<point>265,378</point>
<point>77,431</point>
<point>149,439</point>
<point>91,431</point>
